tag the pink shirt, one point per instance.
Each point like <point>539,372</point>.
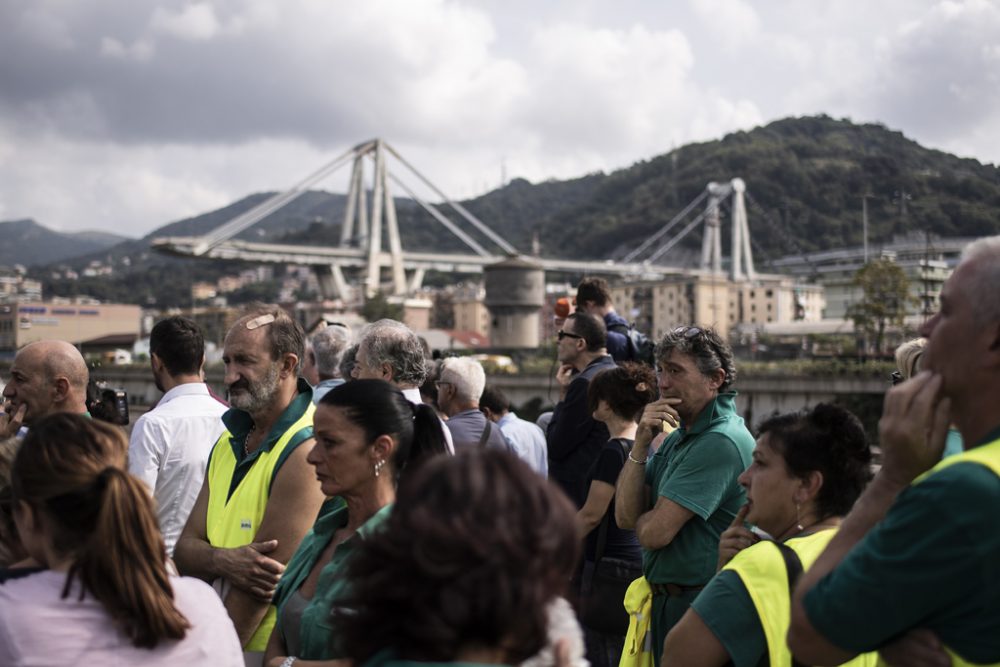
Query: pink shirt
<point>37,627</point>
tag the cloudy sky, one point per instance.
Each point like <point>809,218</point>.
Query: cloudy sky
<point>123,115</point>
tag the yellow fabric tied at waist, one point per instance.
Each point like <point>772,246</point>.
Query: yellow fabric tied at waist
<point>638,602</point>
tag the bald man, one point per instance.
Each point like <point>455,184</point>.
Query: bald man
<point>46,377</point>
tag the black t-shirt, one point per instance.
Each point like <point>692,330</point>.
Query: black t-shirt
<point>620,543</point>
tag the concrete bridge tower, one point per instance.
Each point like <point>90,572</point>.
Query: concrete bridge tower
<point>515,292</point>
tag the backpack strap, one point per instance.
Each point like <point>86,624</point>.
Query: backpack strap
<point>793,565</point>
<point>486,433</point>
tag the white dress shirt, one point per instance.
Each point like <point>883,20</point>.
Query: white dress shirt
<point>169,451</point>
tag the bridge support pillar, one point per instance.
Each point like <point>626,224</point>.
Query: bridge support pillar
<point>331,282</point>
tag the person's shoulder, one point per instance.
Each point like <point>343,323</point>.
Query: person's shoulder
<point>32,587</point>
<point>966,484</point>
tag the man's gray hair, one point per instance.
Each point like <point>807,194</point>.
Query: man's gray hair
<point>705,347</point>
<point>466,375</point>
<point>328,346</point>
<point>982,286</point>
<point>394,343</point>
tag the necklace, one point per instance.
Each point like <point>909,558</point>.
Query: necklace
<point>246,449</point>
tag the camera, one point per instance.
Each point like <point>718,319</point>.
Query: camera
<point>109,404</point>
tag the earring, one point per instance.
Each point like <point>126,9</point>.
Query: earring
<point>378,466</point>
<point>798,516</point>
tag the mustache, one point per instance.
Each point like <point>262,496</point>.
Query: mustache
<point>240,384</point>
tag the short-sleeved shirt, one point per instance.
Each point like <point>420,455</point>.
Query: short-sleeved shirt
<point>619,543</point>
<point>697,467</point>
<point>932,562</point>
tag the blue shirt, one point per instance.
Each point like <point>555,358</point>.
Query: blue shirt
<point>526,440</point>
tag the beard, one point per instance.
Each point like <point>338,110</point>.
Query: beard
<point>254,396</point>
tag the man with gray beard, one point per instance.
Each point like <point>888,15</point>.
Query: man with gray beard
<point>260,495</point>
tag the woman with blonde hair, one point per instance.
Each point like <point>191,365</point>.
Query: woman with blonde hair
<point>105,596</point>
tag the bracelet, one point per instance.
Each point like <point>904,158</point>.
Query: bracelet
<point>633,460</point>
<point>287,662</point>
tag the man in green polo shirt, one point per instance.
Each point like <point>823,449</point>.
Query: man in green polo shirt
<point>260,495</point>
<point>687,494</point>
<point>918,557</point>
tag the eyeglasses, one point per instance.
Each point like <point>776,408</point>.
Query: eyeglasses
<point>563,334</point>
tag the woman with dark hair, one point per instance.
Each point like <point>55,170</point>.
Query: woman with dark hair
<point>807,471</point>
<point>367,436</point>
<point>616,397</point>
<point>475,552</point>
<point>105,596</point>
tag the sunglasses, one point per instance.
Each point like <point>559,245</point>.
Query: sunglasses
<point>688,332</point>
<point>564,334</point>
<point>895,378</point>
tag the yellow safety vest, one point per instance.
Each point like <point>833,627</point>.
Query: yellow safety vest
<point>762,569</point>
<point>989,456</point>
<point>637,651</point>
<point>233,521</point>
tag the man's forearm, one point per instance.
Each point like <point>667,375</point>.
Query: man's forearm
<point>246,613</point>
<point>197,558</point>
<point>630,494</point>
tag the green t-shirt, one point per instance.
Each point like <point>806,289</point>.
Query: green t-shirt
<point>317,638</point>
<point>697,468</point>
<point>726,608</point>
<point>933,562</point>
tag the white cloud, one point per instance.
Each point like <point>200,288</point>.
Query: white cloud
<point>140,113</point>
<point>195,22</point>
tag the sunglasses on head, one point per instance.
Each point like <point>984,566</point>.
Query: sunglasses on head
<point>688,332</point>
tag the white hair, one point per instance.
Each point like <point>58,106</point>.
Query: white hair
<point>983,281</point>
<point>467,376</point>
<point>328,346</point>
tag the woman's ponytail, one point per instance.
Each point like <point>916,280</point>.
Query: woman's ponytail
<point>72,470</point>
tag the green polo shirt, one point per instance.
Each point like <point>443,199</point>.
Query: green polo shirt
<point>696,467</point>
<point>932,562</point>
<point>240,423</point>
<point>317,638</point>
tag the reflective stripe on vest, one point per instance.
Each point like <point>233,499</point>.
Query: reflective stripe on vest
<point>762,570</point>
<point>989,456</point>
<point>234,522</point>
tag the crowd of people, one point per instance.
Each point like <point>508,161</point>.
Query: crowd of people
<point>351,502</point>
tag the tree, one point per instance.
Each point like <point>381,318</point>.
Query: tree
<point>885,297</point>
<point>378,308</point>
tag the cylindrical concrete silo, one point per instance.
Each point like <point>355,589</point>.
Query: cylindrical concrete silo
<point>515,292</point>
